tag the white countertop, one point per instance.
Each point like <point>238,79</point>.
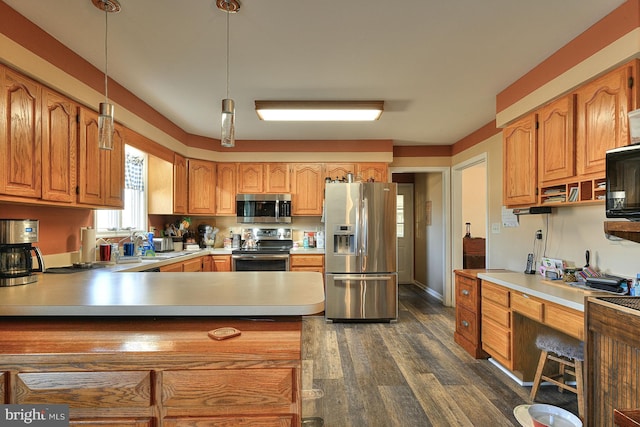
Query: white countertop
<point>531,284</point>
<point>122,290</point>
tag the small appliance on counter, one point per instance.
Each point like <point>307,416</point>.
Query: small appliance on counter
<point>207,235</point>
<point>17,237</point>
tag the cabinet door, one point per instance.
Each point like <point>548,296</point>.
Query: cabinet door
<point>202,187</point>
<point>100,172</point>
<point>375,171</point>
<point>276,178</point>
<point>556,140</point>
<point>250,178</point>
<point>519,151</point>
<point>226,188</point>
<point>114,170</point>
<point>90,173</point>
<point>172,268</point>
<point>20,136</point>
<point>308,188</point>
<point>602,121</point>
<point>221,262</point>
<point>59,148</point>
<point>179,184</point>
<point>192,265</point>
<point>339,170</point>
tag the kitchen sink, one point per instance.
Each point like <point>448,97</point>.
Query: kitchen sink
<point>161,256</point>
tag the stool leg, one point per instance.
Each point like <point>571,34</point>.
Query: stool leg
<point>538,378</point>
<point>580,388</point>
<point>561,374</point>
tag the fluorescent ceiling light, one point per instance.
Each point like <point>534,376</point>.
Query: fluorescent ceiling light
<point>314,111</point>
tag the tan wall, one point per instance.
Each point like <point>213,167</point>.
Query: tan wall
<point>474,200</point>
<point>420,231</point>
<point>435,234</point>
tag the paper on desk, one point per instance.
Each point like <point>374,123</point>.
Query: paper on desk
<point>509,219</point>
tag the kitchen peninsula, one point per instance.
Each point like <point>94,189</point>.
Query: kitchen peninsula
<point>136,349</point>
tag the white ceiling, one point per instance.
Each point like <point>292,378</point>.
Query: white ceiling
<point>437,64</point>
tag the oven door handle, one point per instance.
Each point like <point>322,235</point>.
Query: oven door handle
<point>264,257</point>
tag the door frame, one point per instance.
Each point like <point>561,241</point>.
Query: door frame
<point>411,230</point>
<point>456,209</point>
<point>447,296</point>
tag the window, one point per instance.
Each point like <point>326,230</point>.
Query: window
<point>400,215</point>
<point>134,215</point>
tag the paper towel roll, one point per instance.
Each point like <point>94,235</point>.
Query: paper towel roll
<point>88,244</point>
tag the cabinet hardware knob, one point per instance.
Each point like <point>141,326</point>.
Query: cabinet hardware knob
<point>465,292</point>
<point>465,323</point>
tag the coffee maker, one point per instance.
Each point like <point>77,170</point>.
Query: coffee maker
<point>17,237</point>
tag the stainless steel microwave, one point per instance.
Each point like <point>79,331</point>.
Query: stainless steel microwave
<point>263,208</point>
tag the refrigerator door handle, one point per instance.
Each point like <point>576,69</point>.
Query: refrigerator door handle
<point>361,277</point>
<point>365,226</point>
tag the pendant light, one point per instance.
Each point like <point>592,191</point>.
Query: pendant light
<point>105,110</point>
<point>227,136</point>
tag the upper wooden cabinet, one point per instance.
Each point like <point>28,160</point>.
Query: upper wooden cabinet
<point>602,123</point>
<point>59,147</point>
<point>20,135</point>
<point>226,188</point>
<point>519,158</point>
<point>307,189</point>
<point>251,178</point>
<point>180,177</point>
<point>202,187</point>
<point>258,178</point>
<point>375,171</point>
<point>276,178</point>
<point>556,140</point>
<point>339,170</point>
<point>100,172</point>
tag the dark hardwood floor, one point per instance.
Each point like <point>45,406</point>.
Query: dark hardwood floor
<point>409,373</point>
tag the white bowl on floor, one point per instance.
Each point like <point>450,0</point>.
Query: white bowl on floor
<point>552,416</point>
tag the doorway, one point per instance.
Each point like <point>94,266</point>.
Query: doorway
<point>405,224</point>
<point>432,229</point>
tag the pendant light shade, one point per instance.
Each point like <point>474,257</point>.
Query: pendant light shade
<point>105,126</point>
<point>105,110</point>
<point>228,137</point>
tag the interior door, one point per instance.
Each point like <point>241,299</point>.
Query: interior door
<point>404,212</point>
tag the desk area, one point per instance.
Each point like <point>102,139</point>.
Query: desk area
<point>516,307</point>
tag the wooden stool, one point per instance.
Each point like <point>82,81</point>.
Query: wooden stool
<point>570,357</point>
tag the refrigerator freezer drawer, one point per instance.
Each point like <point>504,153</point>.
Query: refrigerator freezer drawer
<point>362,296</point>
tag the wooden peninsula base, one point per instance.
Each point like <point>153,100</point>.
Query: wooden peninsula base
<point>164,372</point>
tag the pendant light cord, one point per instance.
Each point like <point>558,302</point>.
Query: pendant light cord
<point>228,13</point>
<point>106,61</point>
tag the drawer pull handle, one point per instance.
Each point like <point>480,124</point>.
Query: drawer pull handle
<point>465,292</point>
<point>465,323</point>
<point>525,296</point>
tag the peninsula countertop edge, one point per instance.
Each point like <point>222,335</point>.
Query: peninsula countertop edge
<point>106,293</point>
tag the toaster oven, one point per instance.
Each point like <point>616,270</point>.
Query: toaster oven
<point>162,244</point>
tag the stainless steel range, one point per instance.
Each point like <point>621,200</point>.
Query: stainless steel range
<point>263,249</point>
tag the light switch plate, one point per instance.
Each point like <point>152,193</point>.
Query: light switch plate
<point>495,228</point>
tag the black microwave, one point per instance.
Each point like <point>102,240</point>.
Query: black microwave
<point>263,208</point>
<point>623,182</point>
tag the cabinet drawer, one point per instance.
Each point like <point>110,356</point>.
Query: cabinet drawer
<point>527,306</point>
<point>496,340</point>
<point>112,422</point>
<point>495,293</point>
<point>264,388</point>
<point>240,421</point>
<point>466,292</point>
<point>571,322</point>
<point>307,260</point>
<point>467,324</point>
<point>496,312</point>
<point>116,389</point>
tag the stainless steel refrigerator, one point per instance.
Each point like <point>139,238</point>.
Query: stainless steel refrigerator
<point>360,251</point>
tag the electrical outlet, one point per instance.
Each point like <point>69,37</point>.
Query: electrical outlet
<point>495,228</point>
<point>539,234</point>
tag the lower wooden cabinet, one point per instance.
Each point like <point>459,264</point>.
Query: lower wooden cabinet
<point>221,262</point>
<point>468,325</point>
<point>160,371</point>
<point>496,323</point>
<point>306,262</point>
